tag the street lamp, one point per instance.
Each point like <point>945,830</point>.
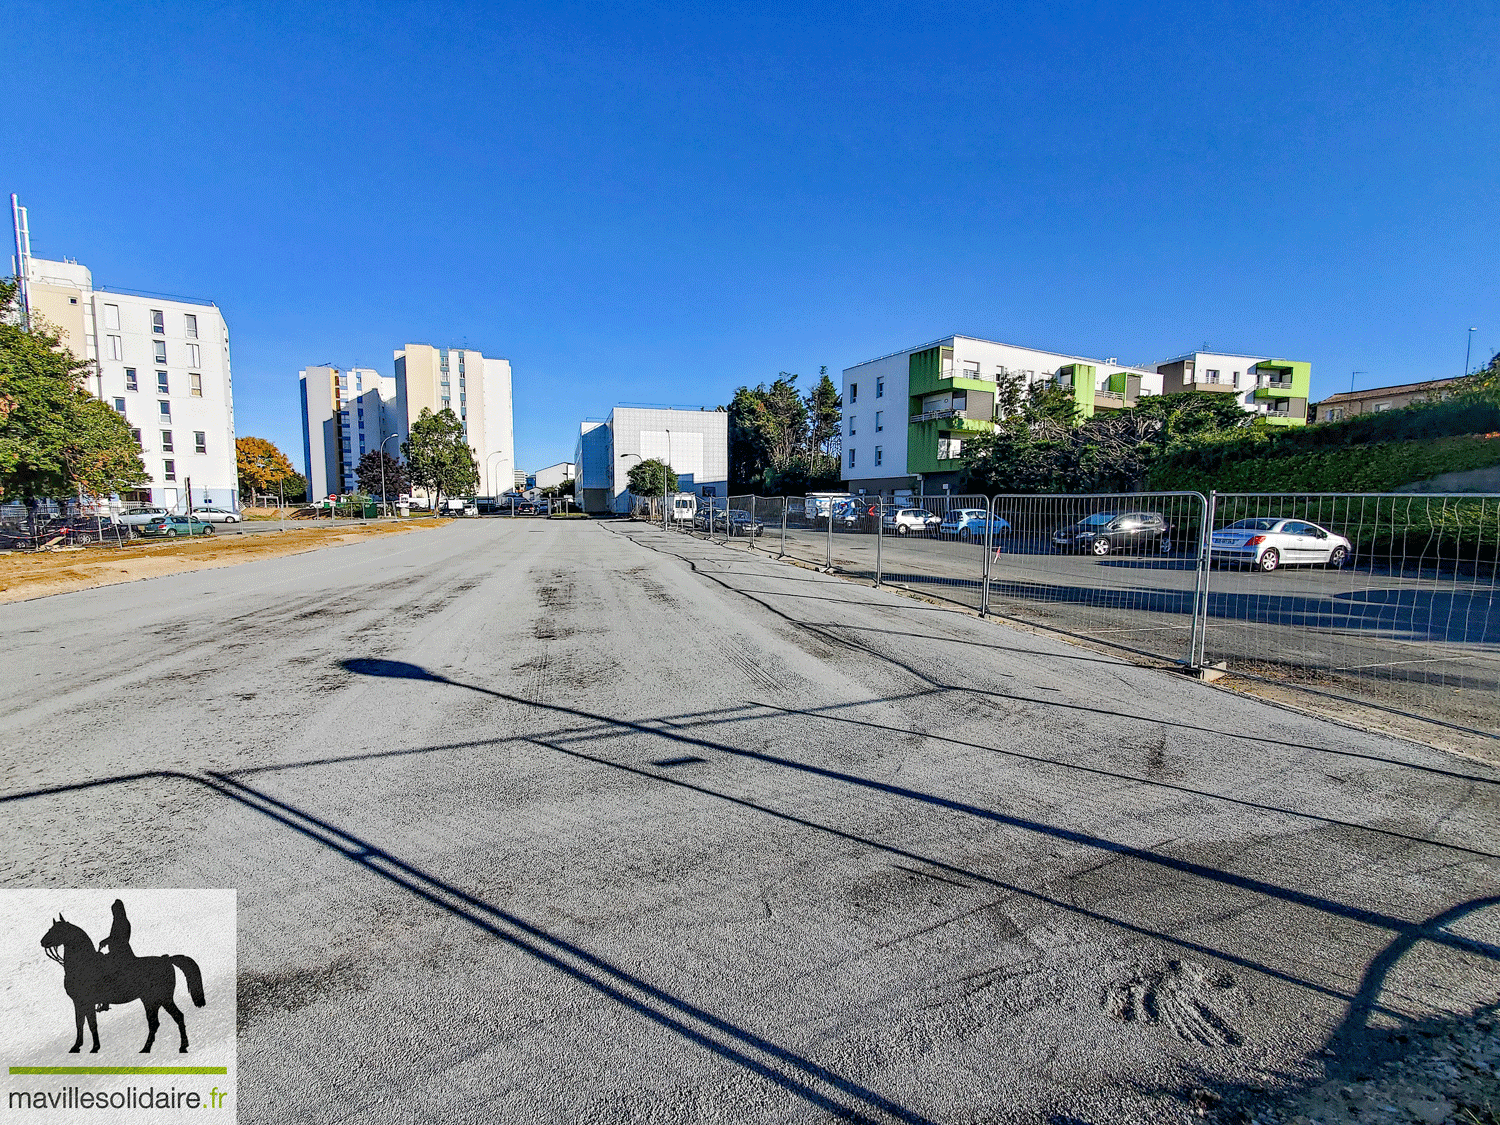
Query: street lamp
<point>384,496</point>
<point>489,475</point>
<point>1468,348</point>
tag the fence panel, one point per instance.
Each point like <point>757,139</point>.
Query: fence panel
<point>1126,569</point>
<point>934,545</point>
<point>1386,599</point>
<point>741,528</point>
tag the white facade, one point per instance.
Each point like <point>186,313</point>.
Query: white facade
<point>346,413</point>
<point>475,387</point>
<point>163,363</point>
<point>553,475</point>
<point>878,408</point>
<point>695,443</point>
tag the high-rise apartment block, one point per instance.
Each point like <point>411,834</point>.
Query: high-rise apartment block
<point>345,415</point>
<point>161,362</point>
<point>349,413</point>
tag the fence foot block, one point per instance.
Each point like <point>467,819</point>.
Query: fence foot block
<point>1208,673</point>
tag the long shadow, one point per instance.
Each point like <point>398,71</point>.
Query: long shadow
<point>593,971</point>
<point>400,670</point>
<point>825,634</point>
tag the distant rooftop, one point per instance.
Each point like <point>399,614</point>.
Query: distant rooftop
<point>1398,389</point>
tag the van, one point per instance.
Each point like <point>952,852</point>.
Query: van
<point>684,508</point>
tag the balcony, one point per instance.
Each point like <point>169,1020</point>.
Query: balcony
<point>936,415</point>
<point>1267,383</point>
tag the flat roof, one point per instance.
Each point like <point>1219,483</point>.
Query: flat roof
<point>1003,344</point>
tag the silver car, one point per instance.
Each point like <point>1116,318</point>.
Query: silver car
<point>216,515</point>
<point>1268,544</point>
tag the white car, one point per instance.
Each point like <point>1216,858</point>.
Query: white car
<point>216,515</point>
<point>1267,544</point>
<point>140,517</point>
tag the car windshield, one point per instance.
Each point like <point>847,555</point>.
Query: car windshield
<point>1098,519</point>
<point>1253,525</point>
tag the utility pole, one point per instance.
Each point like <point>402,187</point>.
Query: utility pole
<point>189,482</point>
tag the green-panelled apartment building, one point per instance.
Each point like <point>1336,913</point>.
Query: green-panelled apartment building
<point>907,414</point>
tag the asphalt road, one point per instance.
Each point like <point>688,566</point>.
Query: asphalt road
<point>1419,641</point>
<point>587,822</point>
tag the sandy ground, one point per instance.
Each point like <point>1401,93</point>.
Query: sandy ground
<point>37,575</point>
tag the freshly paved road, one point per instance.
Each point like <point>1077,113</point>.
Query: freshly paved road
<point>586,822</point>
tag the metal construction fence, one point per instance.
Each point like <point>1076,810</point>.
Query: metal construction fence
<point>1389,599</point>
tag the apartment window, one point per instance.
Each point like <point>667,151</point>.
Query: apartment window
<point>1379,406</point>
<point>169,469</point>
<point>879,455</point>
<point>135,433</point>
<point>1213,376</point>
<point>853,393</point>
<point>112,317</point>
<point>949,448</point>
<point>195,356</point>
<point>165,410</point>
<point>120,405</point>
<point>960,400</point>
<point>195,381</point>
<point>200,442</point>
<point>971,369</point>
<point>166,441</point>
<point>852,421</point>
<point>446,403</point>
<point>161,352</point>
<point>879,419</point>
<point>880,387</point>
<point>190,325</point>
<point>1236,379</point>
<point>161,383</point>
<point>851,458</point>
<point>114,347</point>
<point>130,383</point>
<point>158,323</point>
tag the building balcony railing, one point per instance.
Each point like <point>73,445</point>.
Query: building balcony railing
<point>1114,396</point>
<point>935,415</point>
<point>1266,383</point>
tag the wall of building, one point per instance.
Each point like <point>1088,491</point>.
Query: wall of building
<point>476,388</point>
<point>694,442</point>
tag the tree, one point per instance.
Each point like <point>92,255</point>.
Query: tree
<point>651,478</point>
<point>437,457</point>
<point>294,489</point>
<point>779,439</point>
<point>56,439</point>
<point>262,467</point>
<point>368,473</point>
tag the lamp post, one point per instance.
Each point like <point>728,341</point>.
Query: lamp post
<point>1468,348</point>
<point>637,456</point>
<point>384,496</point>
<point>489,476</point>
<point>665,469</point>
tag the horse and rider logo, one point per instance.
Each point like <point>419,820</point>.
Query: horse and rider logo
<point>113,974</point>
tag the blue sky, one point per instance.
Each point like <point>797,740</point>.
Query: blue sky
<point>659,203</point>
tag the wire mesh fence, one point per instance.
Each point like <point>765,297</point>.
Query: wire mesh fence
<point>1125,568</point>
<point>1389,599</point>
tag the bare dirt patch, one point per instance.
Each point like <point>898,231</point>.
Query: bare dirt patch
<point>43,573</point>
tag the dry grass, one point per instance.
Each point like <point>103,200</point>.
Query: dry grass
<point>42,573</point>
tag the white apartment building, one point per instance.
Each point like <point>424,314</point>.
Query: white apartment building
<point>475,387</point>
<point>347,413</point>
<point>907,415</point>
<point>161,362</point>
<point>695,443</point>
<point>552,475</point>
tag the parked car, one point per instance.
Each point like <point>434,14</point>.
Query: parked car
<point>911,521</point>
<point>139,517</point>
<point>526,508</point>
<point>169,527</point>
<point>969,524</point>
<point>1268,544</point>
<point>89,529</point>
<point>1105,532</point>
<point>742,522</point>
<point>216,515</point>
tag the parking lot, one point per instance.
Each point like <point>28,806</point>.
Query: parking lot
<point>557,821</point>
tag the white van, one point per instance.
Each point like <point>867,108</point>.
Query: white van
<point>684,507</point>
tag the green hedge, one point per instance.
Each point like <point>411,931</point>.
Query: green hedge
<point>1273,467</point>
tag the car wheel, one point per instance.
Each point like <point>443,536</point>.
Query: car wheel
<point>965,535</point>
<point>171,533</point>
<point>232,519</point>
<point>1165,546</point>
<point>1269,560</point>
<point>1100,546</point>
<point>900,529</point>
<point>209,530</point>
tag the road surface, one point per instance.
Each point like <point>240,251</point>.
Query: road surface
<point>539,821</point>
